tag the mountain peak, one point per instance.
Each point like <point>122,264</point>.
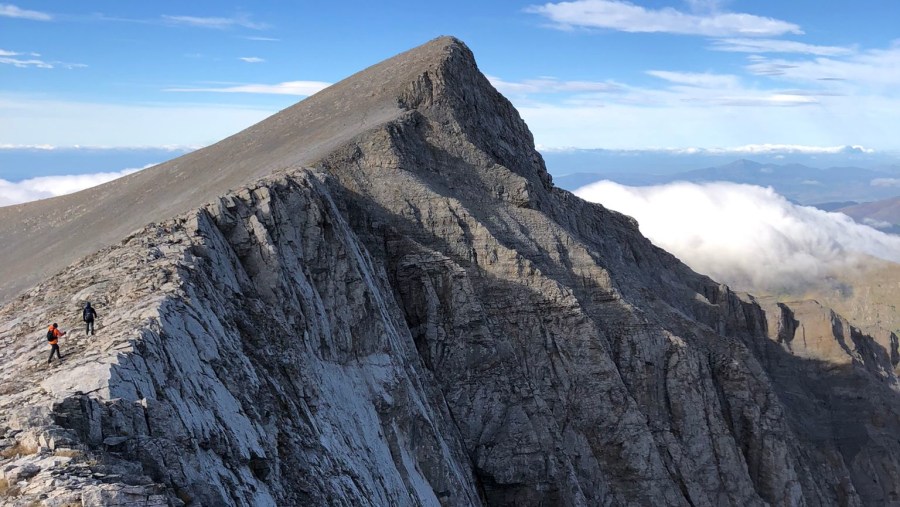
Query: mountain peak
<point>438,81</point>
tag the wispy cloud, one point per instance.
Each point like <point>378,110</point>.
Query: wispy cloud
<point>871,68</point>
<point>215,23</point>
<point>748,45</point>
<point>299,88</point>
<point>553,85</point>
<point>11,11</point>
<point>627,17</point>
<point>813,100</point>
<point>877,224</point>
<point>792,148</point>
<point>702,80</point>
<point>682,88</point>
<point>264,39</point>
<point>42,147</point>
<point>251,59</point>
<point>10,58</point>
<point>726,89</point>
<point>52,186</point>
<point>747,236</point>
<point>885,182</point>
<point>771,100</point>
<point>76,147</point>
<point>639,120</point>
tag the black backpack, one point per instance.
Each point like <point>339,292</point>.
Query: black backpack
<point>87,313</point>
<point>50,335</point>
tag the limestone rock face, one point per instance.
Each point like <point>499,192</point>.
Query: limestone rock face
<point>415,315</point>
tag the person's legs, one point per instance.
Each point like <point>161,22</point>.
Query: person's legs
<point>88,327</point>
<point>54,349</point>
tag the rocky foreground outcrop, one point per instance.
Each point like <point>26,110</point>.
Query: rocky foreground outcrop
<point>421,318</point>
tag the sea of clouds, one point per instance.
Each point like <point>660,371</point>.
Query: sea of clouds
<point>51,186</point>
<point>747,236</point>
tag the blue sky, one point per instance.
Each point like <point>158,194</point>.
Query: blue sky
<point>590,74</point>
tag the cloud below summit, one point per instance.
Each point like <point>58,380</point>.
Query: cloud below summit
<point>746,236</point>
<point>52,186</point>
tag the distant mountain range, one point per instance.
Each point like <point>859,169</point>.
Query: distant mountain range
<point>799,183</point>
<point>883,214</point>
<point>670,161</point>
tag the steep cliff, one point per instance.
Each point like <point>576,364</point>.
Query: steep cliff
<point>421,318</point>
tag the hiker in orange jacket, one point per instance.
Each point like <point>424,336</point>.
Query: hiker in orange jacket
<point>53,334</point>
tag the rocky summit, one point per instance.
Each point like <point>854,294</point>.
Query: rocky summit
<point>378,297</point>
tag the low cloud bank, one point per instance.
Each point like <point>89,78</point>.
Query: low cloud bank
<point>52,186</point>
<point>744,235</point>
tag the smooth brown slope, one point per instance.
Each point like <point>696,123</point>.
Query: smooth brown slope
<point>885,210</point>
<point>38,239</point>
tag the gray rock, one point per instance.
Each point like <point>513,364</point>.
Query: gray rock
<point>404,310</point>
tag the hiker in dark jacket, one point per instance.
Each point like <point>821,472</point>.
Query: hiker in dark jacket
<point>88,315</point>
<point>53,334</point>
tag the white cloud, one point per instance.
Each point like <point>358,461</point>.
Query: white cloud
<point>299,88</point>
<point>216,23</point>
<point>42,147</point>
<point>627,17</point>
<point>8,58</point>
<point>32,62</point>
<point>251,59</point>
<point>552,85</point>
<point>11,11</point>
<point>792,148</point>
<point>684,89</point>
<point>876,70</point>
<point>885,182</point>
<point>775,99</point>
<point>746,236</point>
<point>50,147</point>
<point>52,186</point>
<point>721,109</point>
<point>747,45</point>
<point>264,39</point>
<point>702,80</point>
<point>878,224</point>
